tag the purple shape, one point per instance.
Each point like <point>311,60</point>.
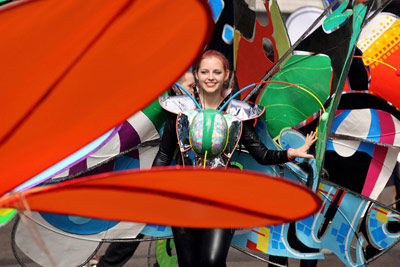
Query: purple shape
<point>78,167</point>
<point>129,138</point>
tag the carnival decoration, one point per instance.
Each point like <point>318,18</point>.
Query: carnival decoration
<point>259,50</point>
<point>97,41</point>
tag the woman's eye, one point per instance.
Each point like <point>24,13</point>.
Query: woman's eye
<point>203,72</point>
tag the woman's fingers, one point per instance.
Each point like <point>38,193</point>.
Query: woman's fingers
<point>301,152</point>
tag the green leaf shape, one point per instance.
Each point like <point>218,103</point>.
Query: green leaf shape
<point>287,105</point>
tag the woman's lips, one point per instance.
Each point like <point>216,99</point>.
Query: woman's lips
<point>211,84</point>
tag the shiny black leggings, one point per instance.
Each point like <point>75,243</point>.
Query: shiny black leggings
<point>202,247</point>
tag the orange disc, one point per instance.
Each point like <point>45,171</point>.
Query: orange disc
<point>178,197</point>
<point>72,70</point>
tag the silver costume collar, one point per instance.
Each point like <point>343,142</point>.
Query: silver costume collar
<point>241,110</point>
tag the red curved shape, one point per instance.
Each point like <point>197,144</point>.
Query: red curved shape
<point>72,70</point>
<point>177,197</point>
<point>252,63</point>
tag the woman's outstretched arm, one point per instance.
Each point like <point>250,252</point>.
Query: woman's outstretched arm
<point>265,156</point>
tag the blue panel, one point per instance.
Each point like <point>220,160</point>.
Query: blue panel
<point>339,119</point>
<point>161,228</point>
<point>344,229</point>
<point>373,223</point>
<point>276,236</point>
<point>378,234</point>
<point>329,145</point>
<point>375,128</point>
<point>216,8</point>
<point>383,244</point>
<point>334,231</point>
<point>278,228</point>
<point>78,225</point>
<point>227,34</point>
<point>126,163</point>
<point>367,148</point>
<point>307,231</point>
<point>308,221</point>
<point>157,230</point>
<point>340,239</point>
<point>328,2</point>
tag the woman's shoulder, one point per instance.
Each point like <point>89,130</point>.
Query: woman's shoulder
<point>177,104</point>
<point>244,111</point>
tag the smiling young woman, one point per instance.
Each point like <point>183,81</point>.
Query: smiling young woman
<point>201,129</point>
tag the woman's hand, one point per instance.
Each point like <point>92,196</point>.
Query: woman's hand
<point>301,152</point>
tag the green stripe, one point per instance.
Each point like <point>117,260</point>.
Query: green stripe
<point>156,114</point>
<point>7,217</point>
<point>208,127</point>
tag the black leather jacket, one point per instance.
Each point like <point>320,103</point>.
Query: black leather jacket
<point>249,139</point>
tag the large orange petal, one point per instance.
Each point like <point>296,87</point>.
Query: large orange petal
<point>71,70</point>
<point>178,197</point>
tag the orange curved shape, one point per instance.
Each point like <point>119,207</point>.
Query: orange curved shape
<point>72,70</point>
<point>384,81</point>
<point>178,197</point>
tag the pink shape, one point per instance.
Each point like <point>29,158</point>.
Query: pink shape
<point>387,127</point>
<point>374,170</point>
<point>380,152</point>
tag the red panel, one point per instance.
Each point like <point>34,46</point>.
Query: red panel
<point>253,246</point>
<point>178,197</point>
<point>72,70</point>
<point>252,63</point>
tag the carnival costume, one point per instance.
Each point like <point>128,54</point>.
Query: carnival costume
<point>187,126</point>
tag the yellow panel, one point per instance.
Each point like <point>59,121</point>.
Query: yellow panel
<point>381,216</point>
<point>4,211</point>
<point>262,241</point>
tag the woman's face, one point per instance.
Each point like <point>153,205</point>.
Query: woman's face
<point>211,75</point>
